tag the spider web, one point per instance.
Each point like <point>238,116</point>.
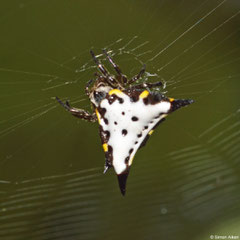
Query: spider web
<point>183,183</point>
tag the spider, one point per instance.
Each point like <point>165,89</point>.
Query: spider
<point>127,114</point>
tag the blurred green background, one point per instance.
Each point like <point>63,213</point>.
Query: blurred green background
<point>183,185</point>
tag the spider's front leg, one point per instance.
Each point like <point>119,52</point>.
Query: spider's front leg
<point>148,85</point>
<point>79,113</point>
<point>143,85</point>
<point>111,81</point>
<point>121,77</point>
<point>87,90</point>
<point>138,76</point>
<point>102,69</point>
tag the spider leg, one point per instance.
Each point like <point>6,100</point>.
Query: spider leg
<point>79,113</point>
<point>138,76</point>
<point>100,66</point>
<point>103,70</point>
<point>148,85</point>
<point>87,91</point>
<point>116,67</point>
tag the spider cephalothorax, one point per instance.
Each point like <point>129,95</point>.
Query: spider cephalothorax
<point>98,93</point>
<point>127,114</point>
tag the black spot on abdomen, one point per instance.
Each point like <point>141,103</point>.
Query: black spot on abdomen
<point>124,132</point>
<point>145,100</point>
<point>134,119</point>
<point>120,100</point>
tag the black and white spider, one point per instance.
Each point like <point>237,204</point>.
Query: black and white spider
<point>127,114</point>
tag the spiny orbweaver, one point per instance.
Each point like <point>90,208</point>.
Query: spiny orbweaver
<point>127,114</point>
